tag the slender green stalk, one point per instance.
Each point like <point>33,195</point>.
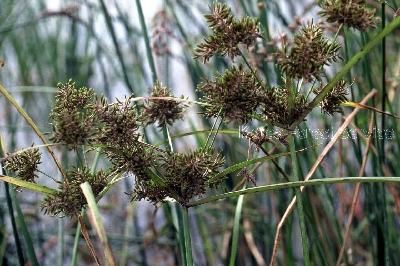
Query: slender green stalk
<point>300,206</point>
<point>178,223</point>
<point>61,241</point>
<point>116,45</point>
<point>186,232</point>
<point>295,184</point>
<point>381,187</point>
<point>25,232</point>
<point>76,244</point>
<point>235,233</point>
<point>77,237</point>
<point>383,19</point>
<point>146,41</point>
<point>97,222</point>
<point>10,207</point>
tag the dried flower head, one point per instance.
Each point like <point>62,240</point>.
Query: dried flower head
<point>227,33</point>
<point>352,13</point>
<point>69,200</point>
<point>165,111</point>
<point>308,54</point>
<point>234,95</point>
<point>282,105</point>
<point>24,163</point>
<point>117,124</point>
<point>184,176</point>
<point>119,138</point>
<point>149,189</point>
<point>331,103</point>
<point>72,115</point>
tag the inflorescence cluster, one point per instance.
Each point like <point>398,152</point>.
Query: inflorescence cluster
<point>351,13</point>
<point>227,34</point>
<point>237,95</point>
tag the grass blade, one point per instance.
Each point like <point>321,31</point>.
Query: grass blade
<point>97,222</point>
<point>300,206</point>
<point>28,185</point>
<point>186,233</point>
<point>146,41</point>
<point>295,184</point>
<point>236,227</point>
<point>25,232</point>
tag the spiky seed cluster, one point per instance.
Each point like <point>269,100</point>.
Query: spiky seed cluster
<point>352,13</point>
<point>184,177</point>
<point>72,115</point>
<point>69,200</point>
<point>163,111</point>
<point>117,124</point>
<point>24,164</point>
<point>308,54</point>
<point>119,137</point>
<point>227,33</point>
<point>235,93</point>
<point>282,106</point>
<point>331,103</point>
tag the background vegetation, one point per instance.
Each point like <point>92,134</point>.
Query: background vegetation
<point>102,44</point>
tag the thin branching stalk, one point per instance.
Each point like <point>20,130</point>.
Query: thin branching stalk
<point>300,204</point>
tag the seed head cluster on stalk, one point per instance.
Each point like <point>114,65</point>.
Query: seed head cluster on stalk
<point>227,33</point>
<point>24,164</point>
<point>351,13</point>
<point>308,54</point>
<point>73,115</point>
<point>80,119</point>
<point>69,199</point>
<point>161,111</point>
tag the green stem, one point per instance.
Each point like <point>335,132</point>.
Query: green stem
<point>146,41</point>
<point>299,196</point>
<point>186,232</point>
<point>295,184</point>
<point>76,244</point>
<point>10,207</point>
<point>25,232</point>
<point>383,18</point>
<point>235,233</point>
<point>116,45</point>
<point>18,245</point>
<point>382,156</point>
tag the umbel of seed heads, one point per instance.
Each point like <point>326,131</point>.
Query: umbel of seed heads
<point>351,13</point>
<point>73,115</point>
<point>119,138</point>
<point>24,164</point>
<point>184,176</point>
<point>282,105</point>
<point>227,33</point>
<point>234,95</point>
<point>308,54</point>
<point>69,199</point>
<point>165,111</point>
